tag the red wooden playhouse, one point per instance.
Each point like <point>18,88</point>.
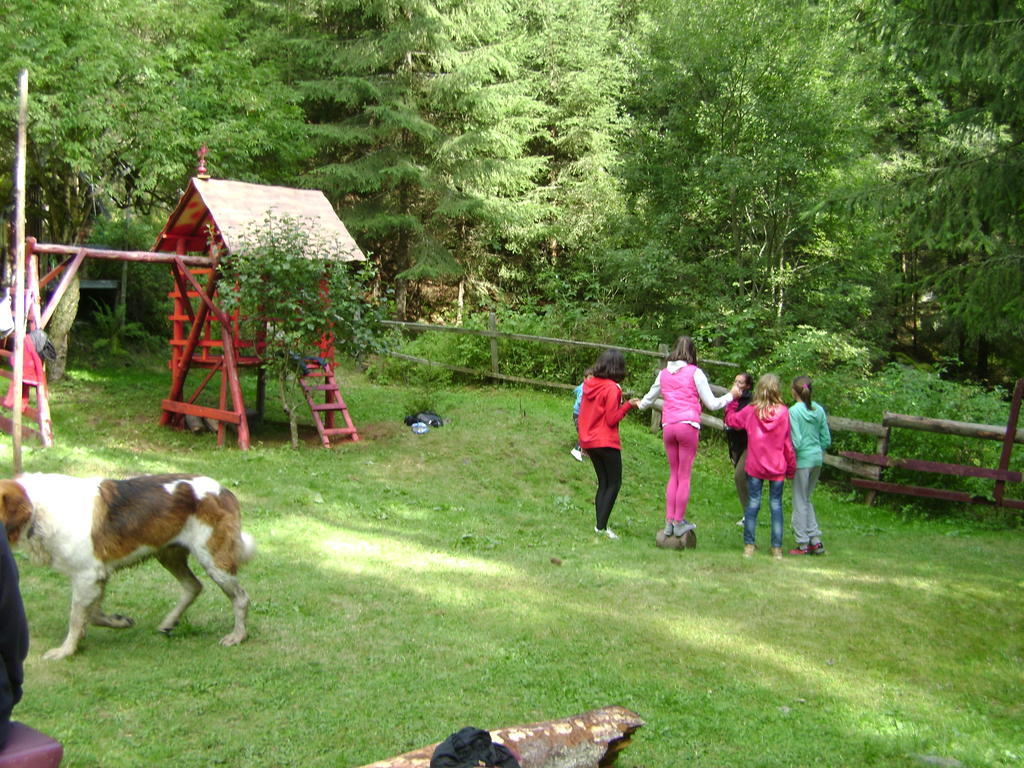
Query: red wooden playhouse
<point>206,346</point>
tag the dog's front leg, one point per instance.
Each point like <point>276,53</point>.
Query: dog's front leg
<point>86,593</point>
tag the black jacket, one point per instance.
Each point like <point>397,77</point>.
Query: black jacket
<point>13,638</point>
<point>737,438</point>
<point>469,748</point>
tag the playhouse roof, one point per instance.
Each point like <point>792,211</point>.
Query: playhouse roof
<point>233,208</point>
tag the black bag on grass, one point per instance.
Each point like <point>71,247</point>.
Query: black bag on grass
<point>429,418</point>
<point>470,748</point>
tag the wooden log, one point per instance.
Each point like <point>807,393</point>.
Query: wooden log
<point>419,327</point>
<point>851,467</point>
<point>841,424</point>
<point>935,493</point>
<point>203,411</point>
<point>486,374</point>
<point>62,287</point>
<point>589,740</point>
<point>146,257</point>
<point>915,490</point>
<point>946,427</point>
<point>917,465</point>
<point>687,541</point>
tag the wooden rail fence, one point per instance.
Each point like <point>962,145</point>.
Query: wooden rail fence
<point>865,468</point>
<point>494,334</point>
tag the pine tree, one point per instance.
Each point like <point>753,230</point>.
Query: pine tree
<point>958,161</point>
<point>420,127</point>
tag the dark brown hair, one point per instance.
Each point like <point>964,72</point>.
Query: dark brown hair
<point>611,364</point>
<point>684,350</point>
<point>802,389</point>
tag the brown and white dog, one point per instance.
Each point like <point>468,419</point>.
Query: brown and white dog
<point>89,528</point>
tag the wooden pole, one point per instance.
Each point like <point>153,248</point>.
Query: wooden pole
<point>492,326</point>
<point>19,268</point>
<point>1011,430</point>
<point>946,427</point>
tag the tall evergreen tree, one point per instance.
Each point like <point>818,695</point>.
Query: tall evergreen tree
<point>420,127</point>
<point>578,71</point>
<point>957,163</point>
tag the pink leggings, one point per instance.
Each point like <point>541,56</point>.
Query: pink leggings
<point>680,448</point>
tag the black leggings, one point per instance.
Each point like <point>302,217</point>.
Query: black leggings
<point>608,466</point>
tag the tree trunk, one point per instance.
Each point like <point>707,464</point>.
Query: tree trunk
<point>981,367</point>
<point>293,417</point>
<point>401,299</point>
<point>59,329</point>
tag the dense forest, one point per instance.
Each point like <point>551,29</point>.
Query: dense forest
<point>838,179</point>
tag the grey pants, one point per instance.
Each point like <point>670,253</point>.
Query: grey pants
<point>805,523</point>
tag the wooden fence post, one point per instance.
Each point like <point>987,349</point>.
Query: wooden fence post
<point>492,326</point>
<point>882,449</point>
<point>1011,430</point>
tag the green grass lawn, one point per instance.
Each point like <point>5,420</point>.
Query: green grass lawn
<point>406,586</point>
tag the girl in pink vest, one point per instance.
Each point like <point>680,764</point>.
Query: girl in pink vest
<point>683,387</point>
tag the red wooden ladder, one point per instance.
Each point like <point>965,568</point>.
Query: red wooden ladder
<point>318,376</point>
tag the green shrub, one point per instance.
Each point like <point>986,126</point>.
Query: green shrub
<point>543,361</point>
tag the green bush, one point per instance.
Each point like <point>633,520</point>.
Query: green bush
<point>908,390</point>
<point>542,361</point>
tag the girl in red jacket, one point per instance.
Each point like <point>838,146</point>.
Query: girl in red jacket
<point>600,413</point>
<point>769,456</point>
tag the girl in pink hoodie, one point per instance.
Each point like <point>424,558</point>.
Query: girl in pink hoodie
<point>769,456</point>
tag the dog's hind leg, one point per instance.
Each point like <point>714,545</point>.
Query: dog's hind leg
<point>86,595</point>
<point>175,560</point>
<point>233,589</point>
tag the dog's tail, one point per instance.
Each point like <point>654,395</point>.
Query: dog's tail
<point>246,547</point>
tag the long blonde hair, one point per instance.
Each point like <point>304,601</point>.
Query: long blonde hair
<point>767,395</point>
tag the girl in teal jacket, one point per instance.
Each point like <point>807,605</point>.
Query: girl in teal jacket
<point>808,426</point>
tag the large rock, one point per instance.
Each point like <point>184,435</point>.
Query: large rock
<point>687,541</point>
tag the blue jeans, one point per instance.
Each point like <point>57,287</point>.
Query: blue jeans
<point>754,485</point>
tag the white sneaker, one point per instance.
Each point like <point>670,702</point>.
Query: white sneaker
<point>606,532</point>
<point>577,454</point>
<point>740,523</point>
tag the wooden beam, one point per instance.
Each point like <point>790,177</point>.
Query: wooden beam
<point>855,425</point>
<point>917,465</point>
<point>177,406</point>
<point>914,490</point>
<point>526,337</point>
<point>852,467</point>
<point>62,287</point>
<point>946,427</point>
<point>145,257</point>
<point>1011,428</point>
